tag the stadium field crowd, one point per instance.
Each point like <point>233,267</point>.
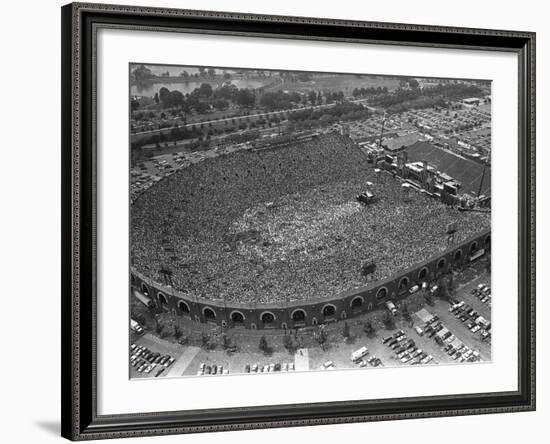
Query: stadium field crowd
<point>282,224</point>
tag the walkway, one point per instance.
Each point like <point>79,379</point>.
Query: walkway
<point>183,361</point>
<point>301,360</point>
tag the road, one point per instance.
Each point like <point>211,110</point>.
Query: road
<point>264,114</point>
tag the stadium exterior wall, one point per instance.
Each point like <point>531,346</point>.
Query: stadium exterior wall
<point>307,313</point>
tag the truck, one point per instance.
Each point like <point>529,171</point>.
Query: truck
<point>391,307</point>
<point>358,354</point>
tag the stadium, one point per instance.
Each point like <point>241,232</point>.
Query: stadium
<point>275,237</point>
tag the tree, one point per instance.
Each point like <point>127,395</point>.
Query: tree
<point>205,339</point>
<point>288,343</point>
<point>159,326</point>
<point>413,83</point>
<point>142,73</point>
<point>388,320</point>
<point>134,104</point>
<point>443,288</point>
<point>346,330</point>
<point>205,90</point>
<point>451,282</point>
<point>211,72</point>
<point>175,98</point>
<point>312,96</point>
<point>264,346</point>
<point>405,312</point>
<point>163,93</point>
<point>157,100</point>
<point>321,337</point>
<point>368,328</point>
<point>226,342</point>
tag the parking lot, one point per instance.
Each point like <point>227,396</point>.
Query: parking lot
<point>414,348</point>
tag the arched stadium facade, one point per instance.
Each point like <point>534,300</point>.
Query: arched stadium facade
<point>297,314</point>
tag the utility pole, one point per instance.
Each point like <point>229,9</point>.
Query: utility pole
<point>481,181</point>
<point>382,131</point>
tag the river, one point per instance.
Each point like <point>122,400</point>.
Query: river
<point>150,89</point>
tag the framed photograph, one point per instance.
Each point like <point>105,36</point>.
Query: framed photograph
<point>281,221</point>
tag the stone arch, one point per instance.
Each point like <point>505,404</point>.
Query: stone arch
<point>403,285</point>
<point>144,289</point>
<point>299,315</point>
<point>253,326</point>
<point>284,325</point>
<point>209,314</point>
<point>381,293</point>
<point>162,299</point>
<point>267,317</point>
<point>237,317</point>
<point>329,310</point>
<point>458,255</point>
<point>473,247</point>
<point>343,315</point>
<point>370,306</point>
<point>183,307</point>
<point>314,321</point>
<point>357,302</point>
<point>441,263</point>
<point>487,241</point>
<point>423,274</point>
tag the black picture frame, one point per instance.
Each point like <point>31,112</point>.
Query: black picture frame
<point>79,390</point>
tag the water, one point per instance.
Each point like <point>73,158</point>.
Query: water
<point>149,90</point>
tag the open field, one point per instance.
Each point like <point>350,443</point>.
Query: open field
<point>341,82</point>
<point>466,171</point>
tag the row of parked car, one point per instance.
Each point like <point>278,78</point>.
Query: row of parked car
<point>359,357</point>
<point>146,361</point>
<point>450,344</point>
<point>483,293</point>
<point>461,352</point>
<point>266,368</point>
<point>136,327</point>
<point>211,370</point>
<point>406,350</point>
<point>472,319</point>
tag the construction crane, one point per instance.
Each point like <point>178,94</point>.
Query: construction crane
<point>382,131</point>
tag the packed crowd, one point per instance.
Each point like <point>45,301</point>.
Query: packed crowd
<point>282,224</point>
